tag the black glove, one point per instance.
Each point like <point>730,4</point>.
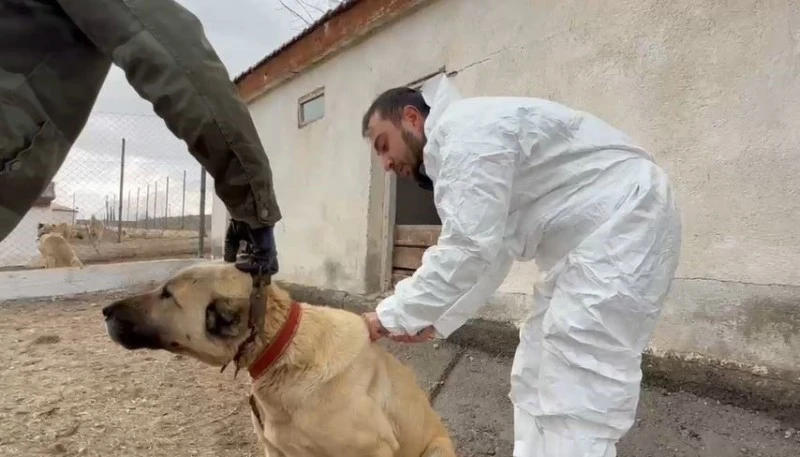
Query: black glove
<point>260,256</point>
<point>233,237</point>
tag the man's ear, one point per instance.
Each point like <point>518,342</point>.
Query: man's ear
<point>412,116</point>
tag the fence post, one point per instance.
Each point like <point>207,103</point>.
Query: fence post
<point>155,207</point>
<point>74,211</point>
<point>121,182</point>
<point>166,207</point>
<point>136,221</point>
<point>106,215</point>
<point>183,200</point>
<point>201,243</point>
<point>147,207</point>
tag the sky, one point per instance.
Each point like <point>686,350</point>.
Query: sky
<point>242,32</point>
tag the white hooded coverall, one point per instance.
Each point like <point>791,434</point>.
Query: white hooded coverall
<point>523,179</point>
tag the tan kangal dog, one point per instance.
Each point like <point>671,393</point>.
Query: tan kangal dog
<point>57,252</point>
<point>62,228</point>
<point>319,387</point>
<point>95,229</point>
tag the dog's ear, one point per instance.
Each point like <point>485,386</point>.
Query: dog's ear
<point>40,225</point>
<point>223,320</point>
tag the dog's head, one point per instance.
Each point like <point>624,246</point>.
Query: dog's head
<point>42,229</point>
<point>202,311</point>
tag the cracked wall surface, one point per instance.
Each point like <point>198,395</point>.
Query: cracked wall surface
<point>710,88</point>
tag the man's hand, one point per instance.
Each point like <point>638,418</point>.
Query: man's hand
<point>424,335</point>
<point>260,255</point>
<point>377,331</point>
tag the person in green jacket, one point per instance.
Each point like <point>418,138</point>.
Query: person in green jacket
<point>54,58</point>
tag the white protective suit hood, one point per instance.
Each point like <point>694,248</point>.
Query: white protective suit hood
<point>438,93</point>
<point>528,179</point>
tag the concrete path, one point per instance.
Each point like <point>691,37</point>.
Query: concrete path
<point>469,389</point>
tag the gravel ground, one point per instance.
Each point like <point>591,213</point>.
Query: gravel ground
<point>68,390</point>
<point>475,404</point>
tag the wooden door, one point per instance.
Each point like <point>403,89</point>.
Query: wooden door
<point>410,242</point>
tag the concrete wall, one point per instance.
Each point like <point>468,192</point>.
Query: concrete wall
<point>56,282</point>
<point>711,88</point>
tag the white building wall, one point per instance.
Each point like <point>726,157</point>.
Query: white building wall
<point>56,216</point>
<point>710,88</point>
<point>321,174</point>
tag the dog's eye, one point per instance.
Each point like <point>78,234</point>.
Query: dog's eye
<point>221,322</point>
<point>165,294</point>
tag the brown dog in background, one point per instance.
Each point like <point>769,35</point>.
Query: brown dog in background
<point>319,386</point>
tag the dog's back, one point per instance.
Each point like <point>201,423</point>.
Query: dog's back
<point>356,396</point>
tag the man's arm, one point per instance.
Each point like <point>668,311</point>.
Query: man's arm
<point>469,261</point>
<point>166,57</point>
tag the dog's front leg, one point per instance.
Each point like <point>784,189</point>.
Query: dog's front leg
<point>269,449</point>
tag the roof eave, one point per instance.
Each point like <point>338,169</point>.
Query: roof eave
<point>340,28</point>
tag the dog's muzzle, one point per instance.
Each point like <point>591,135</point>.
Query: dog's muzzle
<point>126,328</point>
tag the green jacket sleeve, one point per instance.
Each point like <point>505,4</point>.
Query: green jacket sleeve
<point>166,57</point>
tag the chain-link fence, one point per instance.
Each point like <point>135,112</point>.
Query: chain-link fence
<point>128,190</point>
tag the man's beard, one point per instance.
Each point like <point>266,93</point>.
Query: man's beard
<point>415,146</point>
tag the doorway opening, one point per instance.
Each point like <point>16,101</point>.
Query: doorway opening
<point>417,227</point>
<point>416,222</point>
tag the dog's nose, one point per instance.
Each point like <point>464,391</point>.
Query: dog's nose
<point>110,309</point>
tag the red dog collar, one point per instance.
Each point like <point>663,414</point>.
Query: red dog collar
<point>278,346</point>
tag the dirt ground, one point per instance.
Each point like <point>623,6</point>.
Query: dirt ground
<point>67,390</point>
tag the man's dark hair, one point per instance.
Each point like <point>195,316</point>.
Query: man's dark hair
<point>390,105</point>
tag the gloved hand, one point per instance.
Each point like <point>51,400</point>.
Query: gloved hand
<point>260,253</point>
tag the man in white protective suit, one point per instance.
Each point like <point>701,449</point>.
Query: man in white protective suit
<point>529,179</point>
